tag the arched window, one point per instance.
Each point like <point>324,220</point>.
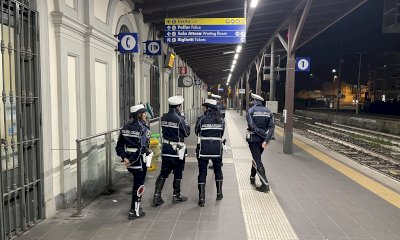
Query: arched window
<point>126,66</point>
<point>155,87</point>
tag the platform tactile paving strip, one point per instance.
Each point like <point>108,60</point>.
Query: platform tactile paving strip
<point>263,216</point>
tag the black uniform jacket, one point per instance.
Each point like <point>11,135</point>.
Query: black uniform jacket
<point>210,131</point>
<point>260,123</point>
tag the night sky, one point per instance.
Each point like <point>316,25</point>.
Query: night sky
<point>360,31</point>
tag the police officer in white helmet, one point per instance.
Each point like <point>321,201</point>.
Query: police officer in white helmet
<point>210,128</point>
<point>133,148</point>
<point>220,106</point>
<point>174,129</point>
<point>261,127</point>
<point>221,110</point>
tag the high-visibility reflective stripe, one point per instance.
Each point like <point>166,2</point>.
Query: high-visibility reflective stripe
<point>130,135</point>
<point>170,155</point>
<point>135,167</point>
<point>170,142</point>
<point>131,150</point>
<point>167,126</point>
<point>211,129</point>
<point>201,155</point>
<point>210,138</point>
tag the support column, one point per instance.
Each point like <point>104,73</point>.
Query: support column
<point>289,91</point>
<point>248,89</point>
<point>294,36</point>
<point>163,91</point>
<point>258,69</point>
<point>272,73</point>
<point>241,97</point>
<point>236,98</point>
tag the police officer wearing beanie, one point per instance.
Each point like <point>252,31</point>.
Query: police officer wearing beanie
<point>261,127</point>
<point>133,147</point>
<point>210,128</point>
<point>174,129</point>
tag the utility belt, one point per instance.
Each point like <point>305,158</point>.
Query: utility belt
<point>208,138</point>
<point>145,158</point>
<point>252,136</point>
<point>248,135</point>
<point>180,147</point>
<point>131,150</point>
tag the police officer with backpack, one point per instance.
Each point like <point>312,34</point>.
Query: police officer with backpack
<point>261,127</point>
<point>133,148</point>
<point>210,128</point>
<point>174,129</point>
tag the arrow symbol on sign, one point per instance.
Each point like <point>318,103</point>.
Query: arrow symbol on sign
<point>169,34</point>
<point>169,27</point>
<point>237,34</point>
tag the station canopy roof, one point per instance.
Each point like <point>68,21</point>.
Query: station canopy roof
<point>210,62</point>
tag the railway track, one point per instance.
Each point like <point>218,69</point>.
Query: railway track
<point>376,150</point>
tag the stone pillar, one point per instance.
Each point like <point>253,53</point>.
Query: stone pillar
<point>164,90</point>
<point>144,81</point>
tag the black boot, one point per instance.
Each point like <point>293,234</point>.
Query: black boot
<point>218,183</point>
<point>202,194</point>
<point>264,182</point>
<point>178,197</point>
<point>157,200</point>
<point>136,211</point>
<point>253,176</point>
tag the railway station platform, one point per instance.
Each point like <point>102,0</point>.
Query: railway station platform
<point>315,194</point>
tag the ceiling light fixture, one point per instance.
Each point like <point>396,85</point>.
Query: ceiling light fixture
<point>253,3</point>
<point>234,61</point>
<point>239,48</point>
<point>236,56</point>
<point>228,52</point>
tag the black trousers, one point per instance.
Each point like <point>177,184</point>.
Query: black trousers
<point>172,164</point>
<point>203,163</point>
<point>138,177</point>
<point>256,151</point>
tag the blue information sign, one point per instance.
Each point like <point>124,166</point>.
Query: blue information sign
<point>128,43</point>
<point>205,31</point>
<point>200,40</point>
<point>303,64</point>
<point>153,47</point>
<point>206,34</point>
<point>205,28</point>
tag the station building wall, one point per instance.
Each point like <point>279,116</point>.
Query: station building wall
<point>80,90</point>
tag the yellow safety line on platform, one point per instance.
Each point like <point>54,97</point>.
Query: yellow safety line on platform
<point>375,187</point>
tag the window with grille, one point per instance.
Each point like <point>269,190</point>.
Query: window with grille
<point>126,65</point>
<point>155,88</point>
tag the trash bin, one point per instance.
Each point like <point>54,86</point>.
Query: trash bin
<point>155,146</point>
